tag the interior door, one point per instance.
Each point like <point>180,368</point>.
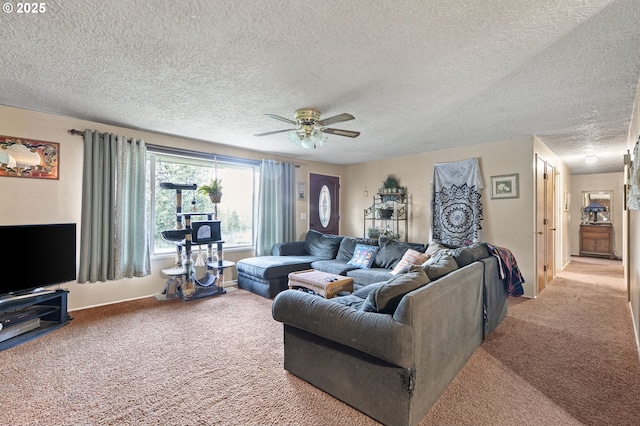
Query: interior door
<point>550,196</point>
<point>545,223</point>
<point>541,275</point>
<point>324,203</point>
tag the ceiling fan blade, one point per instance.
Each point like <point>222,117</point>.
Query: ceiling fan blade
<point>336,119</point>
<point>274,132</point>
<point>340,132</point>
<point>277,117</point>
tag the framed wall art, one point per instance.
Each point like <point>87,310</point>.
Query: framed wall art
<point>29,158</point>
<point>505,186</point>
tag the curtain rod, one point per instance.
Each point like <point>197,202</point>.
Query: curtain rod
<point>167,149</point>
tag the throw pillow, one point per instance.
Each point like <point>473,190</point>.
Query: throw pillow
<point>386,298</point>
<point>321,245</point>
<point>363,256</point>
<point>410,257</point>
<point>439,265</point>
<point>469,254</point>
<point>391,251</point>
<point>435,247</point>
<point>348,245</point>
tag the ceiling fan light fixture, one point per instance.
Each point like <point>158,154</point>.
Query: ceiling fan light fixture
<point>308,137</point>
<point>591,158</point>
<point>311,131</point>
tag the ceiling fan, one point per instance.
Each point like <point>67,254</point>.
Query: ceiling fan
<point>310,130</point>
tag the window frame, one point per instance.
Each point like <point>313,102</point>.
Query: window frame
<point>154,150</point>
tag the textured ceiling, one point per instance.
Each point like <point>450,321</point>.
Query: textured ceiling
<point>417,75</point>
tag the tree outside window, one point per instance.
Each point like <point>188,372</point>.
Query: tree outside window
<point>235,211</point>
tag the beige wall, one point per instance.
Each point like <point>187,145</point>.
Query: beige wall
<point>597,182</point>
<point>507,222</point>
<point>30,201</point>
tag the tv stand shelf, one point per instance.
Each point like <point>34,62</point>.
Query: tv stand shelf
<point>49,307</point>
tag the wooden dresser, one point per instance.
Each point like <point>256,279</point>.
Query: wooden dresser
<point>596,240</point>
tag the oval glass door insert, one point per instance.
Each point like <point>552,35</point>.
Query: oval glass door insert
<point>324,206</point>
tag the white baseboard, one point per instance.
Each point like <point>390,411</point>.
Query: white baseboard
<point>635,331</point>
<point>230,283</point>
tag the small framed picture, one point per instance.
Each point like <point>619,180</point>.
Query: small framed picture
<point>301,191</point>
<point>505,186</point>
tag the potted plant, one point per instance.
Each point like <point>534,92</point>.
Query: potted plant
<point>391,184</point>
<point>213,190</point>
<point>385,212</point>
<point>390,234</point>
<point>373,232</point>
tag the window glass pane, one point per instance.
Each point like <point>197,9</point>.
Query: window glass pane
<point>235,211</point>
<point>324,206</point>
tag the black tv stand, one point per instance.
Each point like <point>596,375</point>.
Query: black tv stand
<point>50,307</point>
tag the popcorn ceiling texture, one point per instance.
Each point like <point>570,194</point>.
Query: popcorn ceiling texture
<point>418,76</point>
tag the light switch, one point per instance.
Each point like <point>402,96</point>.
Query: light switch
<point>303,216</point>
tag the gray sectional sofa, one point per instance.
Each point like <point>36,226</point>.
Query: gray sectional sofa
<point>391,348</point>
<point>268,275</point>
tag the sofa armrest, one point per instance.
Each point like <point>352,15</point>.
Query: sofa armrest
<point>446,317</point>
<point>294,248</point>
<point>376,334</point>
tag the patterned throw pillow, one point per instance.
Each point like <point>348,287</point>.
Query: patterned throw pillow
<point>363,256</point>
<point>410,257</point>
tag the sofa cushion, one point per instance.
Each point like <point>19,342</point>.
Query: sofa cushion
<point>439,265</point>
<point>356,299</point>
<point>333,266</point>
<point>435,247</point>
<point>274,266</point>
<point>469,254</point>
<point>292,248</point>
<point>410,257</point>
<point>322,245</point>
<point>369,276</point>
<point>352,301</point>
<point>348,245</point>
<point>364,291</point>
<point>386,297</point>
<point>391,252</point>
<point>363,256</point>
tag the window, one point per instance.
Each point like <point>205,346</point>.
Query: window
<point>239,179</point>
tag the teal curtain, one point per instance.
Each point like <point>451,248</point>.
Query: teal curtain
<point>276,205</point>
<point>113,240</point>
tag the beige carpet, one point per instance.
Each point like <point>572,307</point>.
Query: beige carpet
<point>566,358</point>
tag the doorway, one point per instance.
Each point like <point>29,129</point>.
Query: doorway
<point>545,223</point>
<point>324,203</point>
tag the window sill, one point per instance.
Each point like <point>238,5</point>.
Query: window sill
<point>170,255</point>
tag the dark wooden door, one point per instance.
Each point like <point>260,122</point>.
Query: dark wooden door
<point>324,203</point>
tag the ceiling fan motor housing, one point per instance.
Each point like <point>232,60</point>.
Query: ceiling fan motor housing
<point>307,117</point>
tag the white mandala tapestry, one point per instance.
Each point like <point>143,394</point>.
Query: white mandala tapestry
<point>457,203</point>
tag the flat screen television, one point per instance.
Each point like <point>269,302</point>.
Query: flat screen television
<point>36,256</point>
